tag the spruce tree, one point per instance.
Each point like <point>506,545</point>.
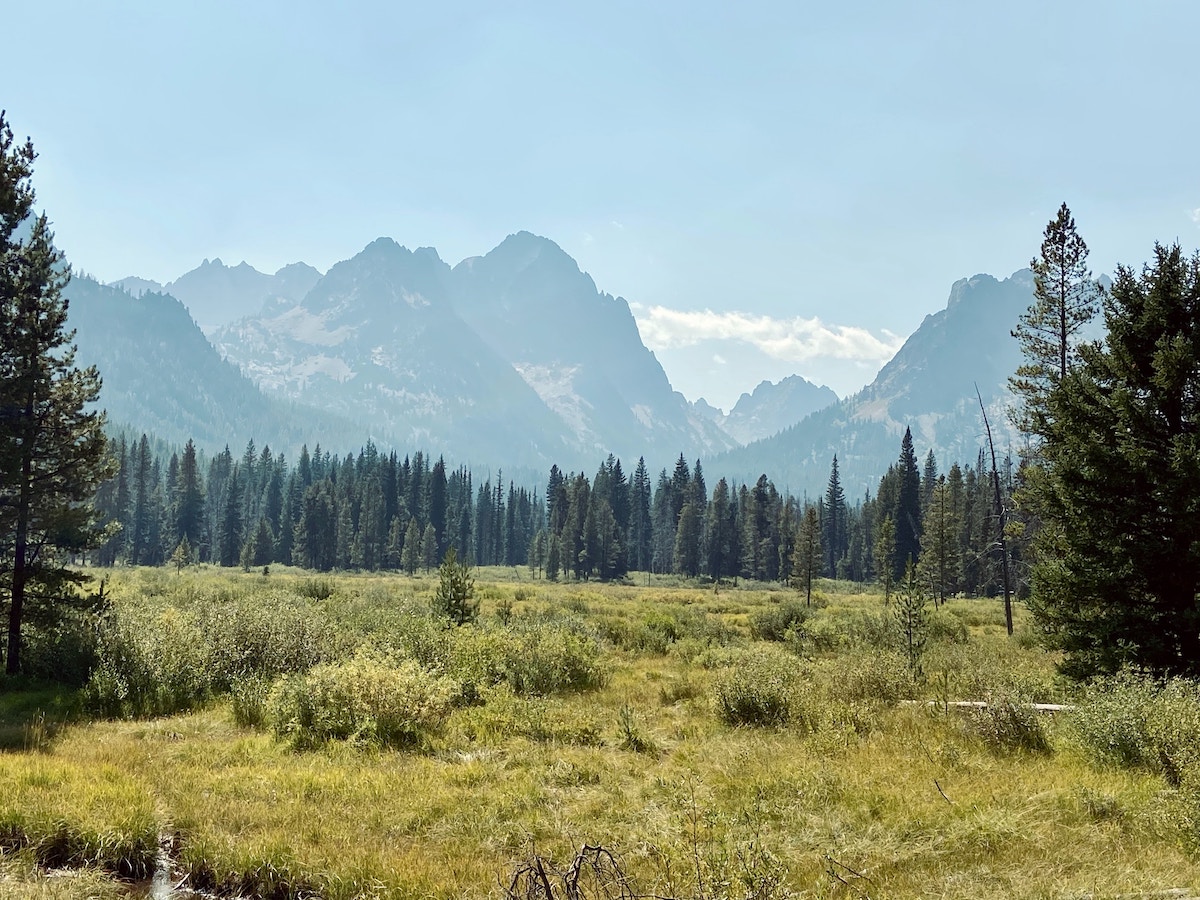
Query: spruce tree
<point>1117,569</point>
<point>189,500</point>
<point>410,556</point>
<point>454,598</point>
<point>907,514</point>
<point>939,566</point>
<point>833,528</point>
<point>52,445</point>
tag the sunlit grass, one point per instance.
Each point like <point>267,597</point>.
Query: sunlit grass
<point>867,798</point>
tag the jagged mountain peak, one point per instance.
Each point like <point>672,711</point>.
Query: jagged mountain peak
<point>928,386</point>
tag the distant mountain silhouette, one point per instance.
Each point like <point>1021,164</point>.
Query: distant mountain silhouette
<point>929,385</point>
<point>770,409</point>
<point>216,294</point>
<point>162,376</point>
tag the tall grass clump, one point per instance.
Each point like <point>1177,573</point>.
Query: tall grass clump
<point>1009,723</point>
<point>367,699</point>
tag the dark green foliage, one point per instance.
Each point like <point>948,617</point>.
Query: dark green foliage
<point>907,512</point>
<point>52,445</point>
<point>806,555</point>
<point>1117,487</point>
<point>835,538</point>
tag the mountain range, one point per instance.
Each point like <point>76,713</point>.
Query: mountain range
<point>514,359</point>
<point>930,386</point>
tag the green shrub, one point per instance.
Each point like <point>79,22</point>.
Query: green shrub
<point>774,623</point>
<point>547,656</point>
<point>149,665</point>
<point>758,689</point>
<point>1135,721</point>
<point>366,699</point>
<point>152,663</point>
<point>944,627</point>
<point>263,637</point>
<point>316,588</point>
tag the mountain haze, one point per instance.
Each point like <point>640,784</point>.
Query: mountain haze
<point>217,294</point>
<point>770,409</point>
<point>162,376</point>
<point>378,337</point>
<point>515,358</point>
<point>580,350</point>
<point>928,386</point>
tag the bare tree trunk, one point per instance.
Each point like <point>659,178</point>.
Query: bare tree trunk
<point>1001,515</point>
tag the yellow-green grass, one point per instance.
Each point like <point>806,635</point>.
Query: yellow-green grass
<point>874,800</point>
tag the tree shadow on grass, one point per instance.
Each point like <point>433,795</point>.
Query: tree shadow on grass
<point>34,713</point>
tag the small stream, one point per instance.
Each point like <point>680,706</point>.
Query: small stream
<point>162,885</point>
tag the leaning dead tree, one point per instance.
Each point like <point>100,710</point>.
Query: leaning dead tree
<point>1001,515</point>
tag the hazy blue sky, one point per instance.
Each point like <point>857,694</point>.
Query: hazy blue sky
<point>775,187</point>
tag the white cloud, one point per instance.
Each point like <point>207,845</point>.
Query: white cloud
<point>1195,215</point>
<point>719,359</point>
<point>792,340</point>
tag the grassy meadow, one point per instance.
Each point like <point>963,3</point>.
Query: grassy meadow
<point>291,735</point>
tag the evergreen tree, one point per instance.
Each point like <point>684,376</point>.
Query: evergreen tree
<point>410,556</point>
<point>907,514</point>
<point>807,553</point>
<point>912,618</point>
<point>939,565</point>
<point>718,536</point>
<point>394,552</point>
<point>553,557</point>
<point>640,536</point>
<point>229,541</point>
<point>316,531</point>
<point>52,446</point>
<point>687,540</point>
<point>262,544</point>
<point>455,595</point>
<point>1117,568</point>
<point>1065,299</point>
<point>189,499</point>
<point>429,547</point>
<point>182,555</point>
<point>885,555</point>
<point>833,529</point>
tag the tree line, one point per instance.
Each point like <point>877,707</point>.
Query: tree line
<point>375,510</point>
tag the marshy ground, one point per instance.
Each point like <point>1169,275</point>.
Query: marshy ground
<point>290,733</point>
